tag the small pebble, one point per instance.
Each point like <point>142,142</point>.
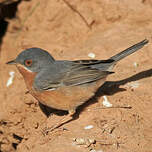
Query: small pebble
<point>135,64</point>
<point>91,55</point>
<point>93,150</point>
<point>133,85</point>
<point>106,103</point>
<point>10,80</point>
<point>96,150</point>
<point>83,141</point>
<point>88,127</point>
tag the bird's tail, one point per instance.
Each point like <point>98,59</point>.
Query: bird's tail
<point>107,65</point>
<point>129,51</point>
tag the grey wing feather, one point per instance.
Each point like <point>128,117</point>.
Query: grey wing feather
<point>83,74</point>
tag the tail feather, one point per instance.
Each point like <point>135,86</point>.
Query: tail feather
<point>129,51</point>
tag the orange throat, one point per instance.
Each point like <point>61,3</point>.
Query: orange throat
<point>27,75</point>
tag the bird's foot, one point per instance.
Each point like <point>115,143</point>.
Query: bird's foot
<point>58,124</point>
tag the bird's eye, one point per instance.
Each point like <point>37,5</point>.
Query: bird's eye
<point>28,63</point>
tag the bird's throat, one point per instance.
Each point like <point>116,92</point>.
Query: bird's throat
<point>27,75</point>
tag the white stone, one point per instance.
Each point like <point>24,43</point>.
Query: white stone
<point>88,127</point>
<point>91,55</point>
<point>105,102</point>
<point>10,80</point>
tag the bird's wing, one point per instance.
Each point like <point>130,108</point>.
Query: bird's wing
<point>69,74</point>
<point>80,74</point>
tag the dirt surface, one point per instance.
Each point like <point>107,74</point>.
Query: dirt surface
<point>72,32</point>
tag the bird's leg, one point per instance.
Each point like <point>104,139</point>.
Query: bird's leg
<point>64,120</point>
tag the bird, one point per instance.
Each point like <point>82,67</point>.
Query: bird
<point>64,84</point>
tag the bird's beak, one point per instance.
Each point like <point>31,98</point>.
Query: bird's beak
<point>11,62</point>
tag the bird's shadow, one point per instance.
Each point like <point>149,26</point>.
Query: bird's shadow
<point>108,88</point>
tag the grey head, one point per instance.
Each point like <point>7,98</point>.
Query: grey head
<point>33,59</point>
